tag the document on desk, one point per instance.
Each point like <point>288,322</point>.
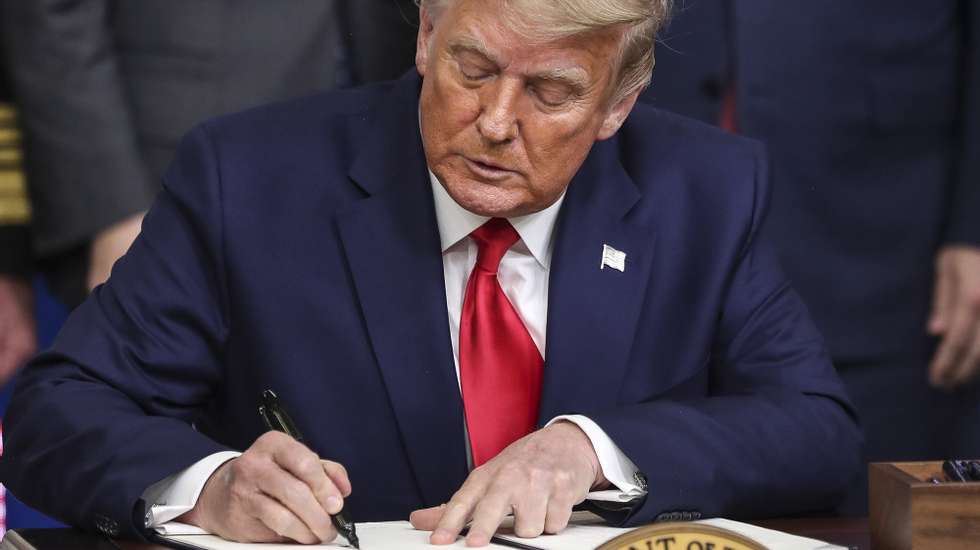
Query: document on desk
<point>585,532</point>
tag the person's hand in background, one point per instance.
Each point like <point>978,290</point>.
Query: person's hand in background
<point>18,336</point>
<point>109,245</point>
<point>276,491</point>
<point>956,317</point>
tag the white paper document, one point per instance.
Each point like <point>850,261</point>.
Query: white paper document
<point>585,532</point>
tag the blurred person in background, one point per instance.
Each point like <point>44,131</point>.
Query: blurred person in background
<point>17,330</point>
<point>871,112</point>
<point>107,88</point>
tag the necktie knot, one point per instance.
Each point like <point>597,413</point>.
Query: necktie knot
<point>493,239</point>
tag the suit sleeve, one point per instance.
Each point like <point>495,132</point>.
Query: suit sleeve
<point>85,168</point>
<point>108,410</point>
<point>775,435</point>
<point>964,223</point>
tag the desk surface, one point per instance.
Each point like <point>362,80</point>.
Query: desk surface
<point>850,532</point>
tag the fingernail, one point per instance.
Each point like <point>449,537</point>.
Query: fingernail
<point>334,504</point>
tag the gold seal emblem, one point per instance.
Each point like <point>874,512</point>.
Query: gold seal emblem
<point>681,536</point>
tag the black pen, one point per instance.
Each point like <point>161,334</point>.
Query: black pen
<point>275,418</point>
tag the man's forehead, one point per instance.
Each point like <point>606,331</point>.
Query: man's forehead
<point>562,59</point>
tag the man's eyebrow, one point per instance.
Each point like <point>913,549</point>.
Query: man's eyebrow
<point>469,44</point>
<point>574,77</point>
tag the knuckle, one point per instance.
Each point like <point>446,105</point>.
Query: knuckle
<point>554,526</point>
<point>541,475</point>
<point>456,507</point>
<point>308,463</point>
<point>478,474</point>
<point>293,493</point>
<point>237,493</point>
<point>455,517</point>
<point>278,520</point>
<point>528,530</point>
<point>247,466</point>
<point>563,479</point>
<point>514,471</point>
<point>270,438</point>
<point>461,497</point>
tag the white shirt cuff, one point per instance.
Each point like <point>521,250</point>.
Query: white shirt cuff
<point>616,466</point>
<point>178,493</point>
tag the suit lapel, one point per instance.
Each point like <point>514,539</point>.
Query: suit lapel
<point>391,241</point>
<point>592,312</point>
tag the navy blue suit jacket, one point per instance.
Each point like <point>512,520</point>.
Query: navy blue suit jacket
<point>295,247</point>
<point>871,114</point>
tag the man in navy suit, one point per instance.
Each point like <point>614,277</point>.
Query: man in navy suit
<point>871,113</point>
<point>480,292</point>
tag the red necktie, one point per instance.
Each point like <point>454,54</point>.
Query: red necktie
<point>499,365</point>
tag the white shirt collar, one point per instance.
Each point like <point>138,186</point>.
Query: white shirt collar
<point>456,223</point>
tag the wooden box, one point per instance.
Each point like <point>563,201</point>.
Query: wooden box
<point>910,512</point>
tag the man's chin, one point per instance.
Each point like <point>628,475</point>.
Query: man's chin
<point>494,205</point>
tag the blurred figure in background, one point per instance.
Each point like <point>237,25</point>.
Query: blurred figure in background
<point>871,113</point>
<point>17,330</point>
<point>106,88</point>
<point>380,38</point>
<point>18,338</point>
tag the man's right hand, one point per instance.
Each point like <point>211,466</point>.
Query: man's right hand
<point>278,490</point>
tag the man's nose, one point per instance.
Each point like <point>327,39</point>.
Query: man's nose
<point>498,114</point>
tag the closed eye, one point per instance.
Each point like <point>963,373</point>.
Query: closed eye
<point>473,66</point>
<point>553,94</point>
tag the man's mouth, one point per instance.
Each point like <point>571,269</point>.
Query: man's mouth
<point>486,169</point>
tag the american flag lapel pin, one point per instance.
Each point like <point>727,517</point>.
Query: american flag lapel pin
<point>613,259</point>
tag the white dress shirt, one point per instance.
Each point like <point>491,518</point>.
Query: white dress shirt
<point>523,275</point>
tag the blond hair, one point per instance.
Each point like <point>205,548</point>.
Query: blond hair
<point>556,19</point>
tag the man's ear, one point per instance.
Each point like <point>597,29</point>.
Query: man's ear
<point>426,30</point>
<point>617,115</point>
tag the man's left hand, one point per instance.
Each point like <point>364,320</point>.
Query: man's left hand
<point>538,477</point>
<point>956,317</point>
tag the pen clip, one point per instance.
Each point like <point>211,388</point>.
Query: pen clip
<point>275,417</point>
